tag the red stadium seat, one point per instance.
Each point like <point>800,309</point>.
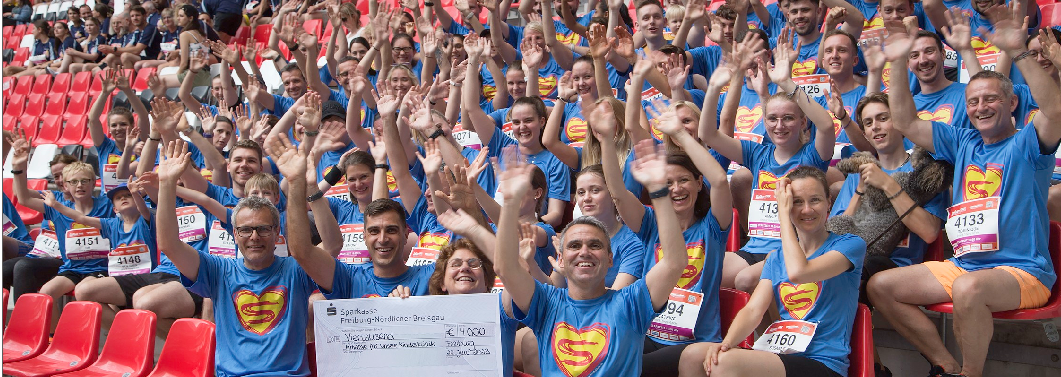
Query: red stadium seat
<point>61,83</point>
<point>9,31</point>
<point>48,133</point>
<point>9,190</point>
<point>74,132</point>
<point>733,242</point>
<point>6,293</point>
<point>78,106</point>
<point>934,252</point>
<point>312,26</point>
<point>29,124</point>
<point>16,105</point>
<point>189,350</point>
<point>56,104</point>
<point>23,85</point>
<point>97,82</point>
<point>30,320</point>
<point>41,84</point>
<point>242,35</point>
<point>29,216</point>
<point>1051,15</point>
<point>21,30</point>
<point>33,233</point>
<point>74,346</point>
<point>861,344</point>
<point>731,301</point>
<point>262,33</point>
<point>1052,309</point>
<point>130,347</point>
<point>35,105</point>
<point>140,84</point>
<point>21,54</point>
<point>82,80</point>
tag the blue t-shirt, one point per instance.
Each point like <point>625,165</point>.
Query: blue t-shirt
<point>260,315</point>
<point>850,98</point>
<point>15,228</point>
<point>748,122</point>
<point>228,198</point>
<point>832,309</point>
<point>574,124</point>
<point>628,255</point>
<point>509,326</point>
<point>914,252</point>
<point>557,174</point>
<point>1017,171</point>
<point>759,158</point>
<point>945,106</point>
<point>629,182</point>
<point>617,320</point>
<point>361,281</point>
<point>143,233</point>
<point>705,242</point>
<point>102,208</point>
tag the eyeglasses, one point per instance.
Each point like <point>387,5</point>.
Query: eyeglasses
<point>473,263</point>
<point>403,49</point>
<point>784,119</point>
<point>263,231</point>
<point>86,181</point>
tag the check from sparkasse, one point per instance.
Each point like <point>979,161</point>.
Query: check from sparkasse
<point>418,336</point>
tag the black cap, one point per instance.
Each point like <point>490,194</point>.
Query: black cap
<point>332,108</point>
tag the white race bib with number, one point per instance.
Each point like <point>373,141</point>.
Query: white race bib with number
<point>339,191</point>
<point>191,224</point>
<point>421,256</point>
<point>762,215</point>
<point>46,246</point>
<point>109,177</point>
<point>786,336</point>
<point>9,227</point>
<point>988,62</point>
<point>950,57</point>
<point>466,138</point>
<point>221,243</point>
<point>354,249</point>
<point>498,286</point>
<point>677,322</point>
<point>129,260</point>
<point>281,247</point>
<point>972,226</point>
<point>813,85</point>
<point>86,243</point>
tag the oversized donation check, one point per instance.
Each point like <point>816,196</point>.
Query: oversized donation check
<point>417,336</point>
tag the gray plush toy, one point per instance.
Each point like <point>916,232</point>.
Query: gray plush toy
<point>875,214</point>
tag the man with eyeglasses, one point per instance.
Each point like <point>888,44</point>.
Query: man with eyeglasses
<point>261,300</point>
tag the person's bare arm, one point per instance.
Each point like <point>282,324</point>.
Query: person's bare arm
<point>175,160</point>
<point>800,270</point>
<point>560,53</point>
<point>518,282</point>
<point>95,128</point>
<point>627,204</point>
<point>900,99</point>
<point>650,169</point>
<point>551,134</point>
<point>854,21</point>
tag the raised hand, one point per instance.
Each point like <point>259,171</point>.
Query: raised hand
<point>668,120</point>
<point>242,120</point>
<point>291,161</point>
<point>460,189</point>
<point>478,165</point>
<point>174,161</point>
<point>1011,27</point>
<point>875,59</point>
<point>957,32</point>
<point>783,193</point>
<point>565,88</point>
<point>1051,49</point>
<point>227,54</point>
<point>599,44</point>
<point>428,44</point>
<point>650,166</point>
<point>458,221</point>
<point>197,60</point>
<point>834,17</point>
<point>164,114</point>
<point>527,248</point>
<point>109,81</point>
<point>388,101</point>
<point>604,124</point>
<point>378,148</point>
<point>836,102</point>
<point>515,180</point>
<point>456,74</point>
<point>533,56</point>
<point>900,41</point>
<point>624,43</point>
<point>20,146</point>
<point>745,52</point>
<point>206,119</point>
<point>677,71</point>
<point>720,78</point>
<point>432,157</point>
<point>49,198</point>
<point>309,115</point>
<point>695,10</point>
<point>784,55</point>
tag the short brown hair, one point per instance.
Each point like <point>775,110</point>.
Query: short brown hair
<point>435,283</point>
<point>249,144</point>
<point>380,206</point>
<point>877,97</point>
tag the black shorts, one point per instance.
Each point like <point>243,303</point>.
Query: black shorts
<point>78,277</point>
<point>798,366</point>
<point>228,23</point>
<point>660,359</point>
<point>751,258</point>
<point>132,283</point>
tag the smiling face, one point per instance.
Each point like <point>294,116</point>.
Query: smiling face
<point>526,125</point>
<point>684,189</point>
<point>294,83</point>
<point>877,122</point>
<point>243,163</point>
<point>256,249</point>
<point>810,205</point>
<point>80,184</point>
<point>784,122</point>
<point>582,75</point>
<point>895,10</point>
<point>359,181</point>
<point>650,20</point>
<point>689,119</point>
<point>1037,52</point>
<point>989,106</point>
<point>803,15</point>
<point>926,60</point>
<point>592,196</point>
<point>517,83</point>
<point>401,81</point>
<point>463,279</point>
<point>402,51</point>
<point>585,257</point>
<point>86,11</point>
<point>840,55</point>
<point>385,237</point>
<point>118,125</point>
<point>981,6</point>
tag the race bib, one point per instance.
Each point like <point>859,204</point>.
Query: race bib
<point>221,243</point>
<point>86,243</point>
<point>9,227</point>
<point>191,224</point>
<point>281,247</point>
<point>988,62</point>
<point>466,138</point>
<point>651,94</point>
<point>950,59</point>
<point>762,215</point>
<point>786,336</point>
<point>129,260</point>
<point>339,191</point>
<point>678,320</point>
<point>109,177</point>
<point>46,245</point>
<point>813,85</point>
<point>354,249</point>
<point>972,226</point>
<point>422,256</point>
<point>498,286</point>
<point>750,136</point>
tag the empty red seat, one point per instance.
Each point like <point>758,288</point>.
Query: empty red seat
<point>51,125</point>
<point>9,31</point>
<point>61,83</point>
<point>30,321</point>
<point>23,85</point>
<point>861,357</point>
<point>242,35</point>
<point>21,30</point>
<point>1051,15</point>
<point>29,124</point>
<point>189,350</point>
<point>312,26</point>
<point>35,105</point>
<point>130,348</point>
<point>140,84</point>
<point>21,54</point>
<point>731,301</point>
<point>262,33</point>
<point>74,346</point>
<point>1051,309</point>
<point>16,104</point>
<point>56,103</point>
<point>29,216</point>
<point>77,107</point>
<point>41,84</point>
<point>74,132</point>
<point>82,80</point>
<point>97,82</point>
